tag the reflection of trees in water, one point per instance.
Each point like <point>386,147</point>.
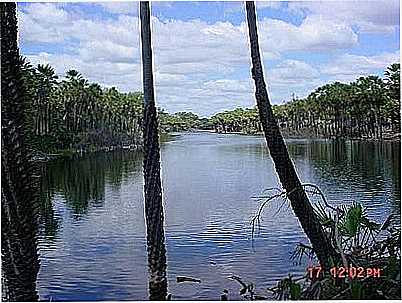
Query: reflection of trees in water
<point>48,222</point>
<point>82,181</point>
<point>363,157</point>
<point>371,164</point>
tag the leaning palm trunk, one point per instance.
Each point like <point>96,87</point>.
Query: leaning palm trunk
<point>18,198</point>
<point>283,164</point>
<point>152,178</point>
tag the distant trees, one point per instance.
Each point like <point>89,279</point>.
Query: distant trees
<point>365,108</point>
<point>393,96</point>
<point>238,120</point>
<point>180,121</point>
<point>73,113</point>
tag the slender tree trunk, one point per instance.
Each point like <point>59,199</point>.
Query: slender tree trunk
<point>19,259</point>
<point>152,178</point>
<point>283,164</point>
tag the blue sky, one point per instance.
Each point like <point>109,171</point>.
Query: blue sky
<point>201,48</point>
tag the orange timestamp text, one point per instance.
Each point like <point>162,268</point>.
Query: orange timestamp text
<point>346,272</point>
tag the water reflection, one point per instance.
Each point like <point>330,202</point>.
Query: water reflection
<point>350,170</point>
<point>82,180</point>
<point>93,229</point>
<point>49,223</point>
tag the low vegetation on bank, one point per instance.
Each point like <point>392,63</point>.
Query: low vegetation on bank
<point>369,266</point>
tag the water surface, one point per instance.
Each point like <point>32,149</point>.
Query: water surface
<point>93,243</point>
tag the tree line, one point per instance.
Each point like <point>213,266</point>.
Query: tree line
<point>72,113</point>
<point>366,108</point>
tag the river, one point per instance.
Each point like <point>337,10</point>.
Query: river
<point>92,240</point>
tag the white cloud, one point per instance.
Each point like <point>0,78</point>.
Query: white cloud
<point>43,22</point>
<point>291,77</point>
<point>268,4</point>
<point>115,7</point>
<point>237,6</point>
<point>292,72</point>
<point>368,16</point>
<point>314,34</point>
<point>124,30</point>
<point>348,67</point>
<point>125,76</point>
<point>107,50</point>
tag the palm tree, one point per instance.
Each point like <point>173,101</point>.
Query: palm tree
<point>46,81</point>
<point>152,188</point>
<point>393,87</point>
<point>283,164</point>
<point>20,262</point>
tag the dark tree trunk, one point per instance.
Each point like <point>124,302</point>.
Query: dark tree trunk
<point>153,188</point>
<point>20,262</point>
<point>283,164</point>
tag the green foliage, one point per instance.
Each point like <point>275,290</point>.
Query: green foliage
<point>360,242</point>
<point>295,291</point>
<point>73,113</point>
<point>181,121</point>
<point>365,108</point>
<point>238,120</point>
<point>349,226</point>
<point>20,263</point>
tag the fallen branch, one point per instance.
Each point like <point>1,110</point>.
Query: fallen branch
<point>181,279</point>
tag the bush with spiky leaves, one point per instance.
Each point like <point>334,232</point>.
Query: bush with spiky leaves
<point>359,240</point>
<point>20,262</point>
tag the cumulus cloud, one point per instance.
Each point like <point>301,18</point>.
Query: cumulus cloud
<point>236,6</point>
<point>125,76</point>
<point>348,67</point>
<point>292,72</point>
<point>368,16</point>
<point>314,34</point>
<point>128,8</point>
<point>43,22</point>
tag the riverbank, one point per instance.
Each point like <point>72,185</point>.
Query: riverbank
<point>40,156</point>
<point>287,135</point>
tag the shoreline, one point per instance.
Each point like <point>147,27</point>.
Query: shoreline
<point>396,137</point>
<point>39,156</point>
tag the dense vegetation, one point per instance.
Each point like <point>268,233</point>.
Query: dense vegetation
<point>19,255</point>
<point>72,113</point>
<point>366,108</point>
<point>182,121</point>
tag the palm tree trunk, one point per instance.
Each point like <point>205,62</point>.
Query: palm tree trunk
<point>153,188</point>
<point>20,262</point>
<point>283,164</point>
